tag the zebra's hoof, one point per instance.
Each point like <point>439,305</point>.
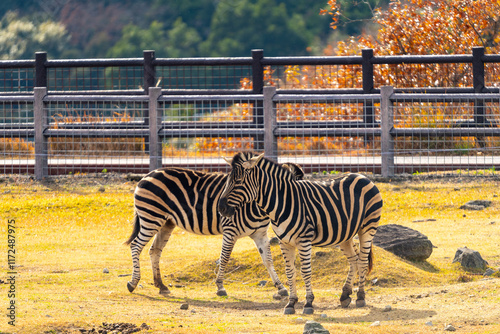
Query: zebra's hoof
<point>289,310</point>
<point>222,293</point>
<point>360,303</point>
<point>283,292</point>
<point>308,310</point>
<point>345,303</point>
<point>130,287</point>
<point>164,292</point>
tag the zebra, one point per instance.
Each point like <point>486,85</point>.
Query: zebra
<point>304,214</point>
<point>170,197</point>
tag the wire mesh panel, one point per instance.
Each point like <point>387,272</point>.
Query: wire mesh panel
<point>198,132</point>
<point>204,77</point>
<point>17,80</point>
<point>97,136</point>
<point>314,76</point>
<point>95,78</point>
<point>330,137</point>
<point>457,136</point>
<point>17,144</point>
<point>423,75</point>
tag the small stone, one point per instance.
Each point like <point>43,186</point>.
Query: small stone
<point>299,320</point>
<point>184,306</point>
<point>429,323</point>
<point>193,311</point>
<point>489,272</point>
<point>105,271</point>
<point>374,324</point>
<point>387,308</point>
<point>449,328</point>
<point>178,286</point>
<point>323,316</point>
<point>262,283</point>
<point>476,205</point>
<point>101,189</point>
<point>313,327</point>
<point>274,241</point>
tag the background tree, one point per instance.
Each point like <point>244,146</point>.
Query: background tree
<point>20,38</point>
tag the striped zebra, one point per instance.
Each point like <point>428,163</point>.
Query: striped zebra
<point>305,214</point>
<point>170,197</point>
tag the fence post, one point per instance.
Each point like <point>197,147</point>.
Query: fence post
<point>258,86</point>
<point>479,87</point>
<point>387,124</point>
<point>155,147</point>
<point>367,68</point>
<point>257,71</point>
<point>41,146</point>
<point>149,70</point>
<point>40,69</point>
<point>270,140</point>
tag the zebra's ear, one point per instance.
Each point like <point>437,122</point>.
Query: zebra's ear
<point>228,160</point>
<point>252,162</point>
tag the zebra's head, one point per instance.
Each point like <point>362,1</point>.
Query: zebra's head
<point>241,185</point>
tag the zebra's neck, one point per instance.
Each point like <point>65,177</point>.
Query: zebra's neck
<point>277,189</point>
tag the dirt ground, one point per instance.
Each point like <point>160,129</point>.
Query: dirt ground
<point>469,306</point>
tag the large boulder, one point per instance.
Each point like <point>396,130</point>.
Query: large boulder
<point>403,242</point>
<point>469,259</point>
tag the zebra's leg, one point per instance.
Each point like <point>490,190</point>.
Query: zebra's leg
<point>349,251</point>
<point>136,247</point>
<point>305,253</point>
<point>263,245</point>
<point>155,251</point>
<point>289,255</point>
<point>365,257</point>
<point>228,241</point>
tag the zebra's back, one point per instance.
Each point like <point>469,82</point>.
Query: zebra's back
<point>189,198</point>
<point>341,208</point>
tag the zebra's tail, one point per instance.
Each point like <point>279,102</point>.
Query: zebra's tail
<point>370,260</point>
<point>135,232</point>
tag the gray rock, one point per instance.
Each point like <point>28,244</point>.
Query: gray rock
<point>489,272</point>
<point>387,308</point>
<point>274,241</point>
<point>184,306</point>
<point>105,271</point>
<point>469,259</point>
<point>403,242</point>
<point>375,324</point>
<point>262,283</point>
<point>313,327</point>
<point>476,205</point>
<point>449,328</point>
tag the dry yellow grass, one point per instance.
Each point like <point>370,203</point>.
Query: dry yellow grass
<point>69,231</point>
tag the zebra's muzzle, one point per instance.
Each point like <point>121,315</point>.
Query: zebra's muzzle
<point>225,209</point>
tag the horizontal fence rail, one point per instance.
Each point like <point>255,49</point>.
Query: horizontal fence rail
<point>135,115</point>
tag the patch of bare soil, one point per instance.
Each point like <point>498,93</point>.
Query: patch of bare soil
<point>105,328</point>
<point>463,305</point>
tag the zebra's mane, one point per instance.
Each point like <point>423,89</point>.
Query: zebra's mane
<point>241,157</point>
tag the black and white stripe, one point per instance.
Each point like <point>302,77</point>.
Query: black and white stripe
<point>174,197</point>
<point>305,214</point>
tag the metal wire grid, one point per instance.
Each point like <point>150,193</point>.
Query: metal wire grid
<point>17,146</point>
<point>423,75</point>
<point>17,79</point>
<point>199,133</point>
<point>94,136</point>
<point>454,153</point>
<point>314,76</point>
<point>204,77</point>
<point>354,149</point>
<point>492,75</point>
<point>95,78</point>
